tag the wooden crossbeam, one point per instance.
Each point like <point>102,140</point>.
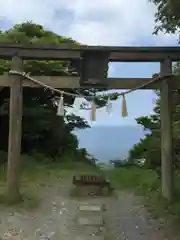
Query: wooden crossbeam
<point>73,82</point>
<point>68,51</point>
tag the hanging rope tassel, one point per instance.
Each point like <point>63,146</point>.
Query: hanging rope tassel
<point>60,110</point>
<point>124,107</point>
<point>93,111</point>
<point>109,106</point>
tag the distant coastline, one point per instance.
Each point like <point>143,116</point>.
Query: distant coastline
<point>110,142</point>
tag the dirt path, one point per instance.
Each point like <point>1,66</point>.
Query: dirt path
<point>128,219</point>
<point>52,219</point>
<point>125,218</point>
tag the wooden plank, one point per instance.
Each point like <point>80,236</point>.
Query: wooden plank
<point>166,132</point>
<point>69,47</point>
<point>15,126</point>
<point>69,51</point>
<point>38,54</point>
<point>56,82</point>
<point>73,82</point>
<point>130,83</point>
<point>143,56</point>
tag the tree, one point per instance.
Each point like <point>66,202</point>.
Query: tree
<point>150,146</point>
<point>38,104</point>
<point>43,131</point>
<point>167,17</point>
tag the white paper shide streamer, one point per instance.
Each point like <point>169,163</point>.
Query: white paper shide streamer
<point>109,106</point>
<point>60,110</point>
<point>77,104</point>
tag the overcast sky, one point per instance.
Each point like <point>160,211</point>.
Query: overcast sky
<point>99,22</point>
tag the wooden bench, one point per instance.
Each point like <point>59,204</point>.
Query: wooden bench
<point>92,184</point>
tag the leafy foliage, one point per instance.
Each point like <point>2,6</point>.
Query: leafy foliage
<point>167,17</point>
<point>149,146</point>
<point>43,131</point>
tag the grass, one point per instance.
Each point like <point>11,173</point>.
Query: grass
<point>146,183</point>
<point>38,177</point>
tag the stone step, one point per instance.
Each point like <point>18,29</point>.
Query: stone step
<point>89,238</point>
<point>91,208</point>
<point>91,220</point>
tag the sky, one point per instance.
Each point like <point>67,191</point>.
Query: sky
<point>102,22</point>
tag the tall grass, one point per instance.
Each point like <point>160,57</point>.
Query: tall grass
<point>40,167</point>
<point>39,173</point>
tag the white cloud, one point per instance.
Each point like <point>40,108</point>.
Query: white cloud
<point>101,22</point>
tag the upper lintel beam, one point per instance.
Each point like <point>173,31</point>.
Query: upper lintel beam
<point>69,51</point>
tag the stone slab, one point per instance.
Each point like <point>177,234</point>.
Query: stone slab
<point>89,238</point>
<point>91,208</point>
<point>91,220</point>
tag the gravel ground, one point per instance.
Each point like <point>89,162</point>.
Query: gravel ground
<point>128,219</point>
<point>53,220</point>
<point>125,218</point>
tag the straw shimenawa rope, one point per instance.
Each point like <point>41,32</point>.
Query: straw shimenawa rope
<point>155,78</point>
<point>25,75</point>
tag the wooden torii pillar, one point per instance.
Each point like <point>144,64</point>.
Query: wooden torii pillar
<point>15,132</point>
<point>166,131</point>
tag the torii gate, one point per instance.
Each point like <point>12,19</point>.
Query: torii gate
<point>164,55</point>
